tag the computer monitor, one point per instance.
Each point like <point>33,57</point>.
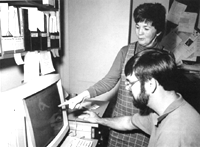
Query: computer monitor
<point>45,123</point>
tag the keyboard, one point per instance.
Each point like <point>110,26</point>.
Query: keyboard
<point>76,142</point>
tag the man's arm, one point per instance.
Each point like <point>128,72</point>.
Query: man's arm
<point>123,123</point>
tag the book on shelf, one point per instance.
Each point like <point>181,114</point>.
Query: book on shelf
<point>52,3</point>
<point>20,31</point>
<point>25,27</point>
<point>40,32</point>
<point>12,40</point>
<point>54,39</point>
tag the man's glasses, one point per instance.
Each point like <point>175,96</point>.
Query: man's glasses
<point>130,84</point>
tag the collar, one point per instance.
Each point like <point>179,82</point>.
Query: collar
<point>139,47</point>
<point>173,106</point>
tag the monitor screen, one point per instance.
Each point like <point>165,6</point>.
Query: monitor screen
<point>45,120</point>
<point>33,108</point>
<point>44,115</point>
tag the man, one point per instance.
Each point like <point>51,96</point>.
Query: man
<point>152,78</point>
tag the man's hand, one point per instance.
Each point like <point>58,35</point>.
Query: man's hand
<point>90,117</point>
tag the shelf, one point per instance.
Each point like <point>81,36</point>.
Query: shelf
<point>29,3</point>
<point>23,3</point>
<point>23,53</point>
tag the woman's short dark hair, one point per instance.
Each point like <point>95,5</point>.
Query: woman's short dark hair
<point>153,13</point>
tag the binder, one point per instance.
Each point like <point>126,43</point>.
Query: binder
<point>25,28</point>
<point>49,2</point>
<point>35,41</point>
<point>43,41</point>
<point>54,39</point>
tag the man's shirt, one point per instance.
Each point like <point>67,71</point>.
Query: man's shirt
<point>179,126</point>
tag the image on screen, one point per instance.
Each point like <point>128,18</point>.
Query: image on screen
<point>45,115</point>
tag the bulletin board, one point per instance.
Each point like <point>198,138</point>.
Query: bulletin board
<point>182,35</point>
<point>192,6</point>
<point>183,30</point>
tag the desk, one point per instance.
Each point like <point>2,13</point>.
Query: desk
<point>191,89</point>
<point>82,128</point>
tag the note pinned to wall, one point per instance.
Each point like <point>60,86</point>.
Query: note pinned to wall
<point>188,49</point>
<point>187,22</point>
<point>171,40</point>
<point>175,12</point>
<point>31,66</point>
<point>198,24</point>
<point>197,45</point>
<point>46,64</point>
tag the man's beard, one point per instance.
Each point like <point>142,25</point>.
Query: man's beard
<point>142,101</point>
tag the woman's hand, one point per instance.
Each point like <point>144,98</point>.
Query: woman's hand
<point>76,101</point>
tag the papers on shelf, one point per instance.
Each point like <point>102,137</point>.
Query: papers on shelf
<point>11,37</point>
<point>4,18</point>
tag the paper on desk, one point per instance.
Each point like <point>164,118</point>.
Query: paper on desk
<point>31,66</point>
<point>46,62</point>
<point>187,22</point>
<point>191,58</point>
<point>176,11</point>
<point>94,107</point>
<point>18,59</point>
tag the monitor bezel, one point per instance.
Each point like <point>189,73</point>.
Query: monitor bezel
<point>13,103</point>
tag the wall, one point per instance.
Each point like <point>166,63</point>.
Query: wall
<point>11,75</point>
<point>95,33</point>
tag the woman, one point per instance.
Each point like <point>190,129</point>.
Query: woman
<point>150,24</point>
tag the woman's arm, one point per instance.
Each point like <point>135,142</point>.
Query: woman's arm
<point>112,77</point>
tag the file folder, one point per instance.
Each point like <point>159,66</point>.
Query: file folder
<point>43,40</point>
<point>35,41</point>
<point>54,39</point>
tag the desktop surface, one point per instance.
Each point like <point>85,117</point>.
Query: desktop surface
<point>82,128</point>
